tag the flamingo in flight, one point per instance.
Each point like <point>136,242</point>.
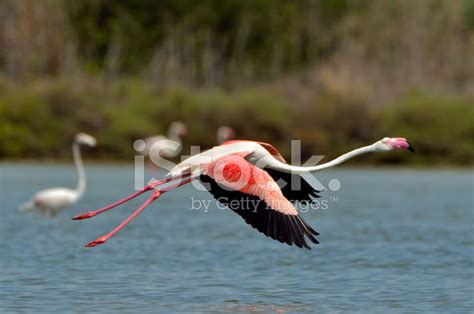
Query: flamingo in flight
<point>239,171</point>
<point>52,201</point>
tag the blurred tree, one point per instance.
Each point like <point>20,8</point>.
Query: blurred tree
<point>262,37</point>
<point>333,73</point>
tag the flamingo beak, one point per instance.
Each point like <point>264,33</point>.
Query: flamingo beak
<point>400,142</point>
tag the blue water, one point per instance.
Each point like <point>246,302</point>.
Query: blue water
<point>391,240</point>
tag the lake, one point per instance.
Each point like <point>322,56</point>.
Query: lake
<point>391,240</point>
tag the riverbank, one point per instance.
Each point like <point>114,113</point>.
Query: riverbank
<point>40,119</point>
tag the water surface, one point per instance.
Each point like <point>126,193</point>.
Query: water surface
<point>391,240</point>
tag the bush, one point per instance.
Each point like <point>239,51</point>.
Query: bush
<point>441,128</point>
<point>41,119</point>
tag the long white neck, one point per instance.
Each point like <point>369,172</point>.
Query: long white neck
<point>278,165</point>
<point>173,135</point>
<point>81,176</point>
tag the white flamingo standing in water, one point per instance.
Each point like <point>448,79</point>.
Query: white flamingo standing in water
<point>51,201</point>
<point>243,171</point>
<point>166,146</point>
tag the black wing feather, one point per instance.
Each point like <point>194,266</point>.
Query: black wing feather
<point>284,228</point>
<point>302,193</point>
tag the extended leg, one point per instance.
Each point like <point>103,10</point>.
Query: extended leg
<point>105,237</point>
<point>153,197</point>
<point>147,188</point>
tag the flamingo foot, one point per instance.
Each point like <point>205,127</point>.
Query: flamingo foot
<point>98,241</point>
<point>84,216</point>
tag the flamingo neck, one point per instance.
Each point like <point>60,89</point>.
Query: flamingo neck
<point>173,135</point>
<point>278,165</point>
<point>81,175</point>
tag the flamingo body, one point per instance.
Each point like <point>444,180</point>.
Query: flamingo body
<point>171,146</point>
<point>167,147</point>
<point>51,201</point>
<point>162,146</point>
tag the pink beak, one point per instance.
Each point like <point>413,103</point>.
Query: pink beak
<point>400,142</point>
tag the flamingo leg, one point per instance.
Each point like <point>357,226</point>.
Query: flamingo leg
<point>152,198</point>
<point>147,188</point>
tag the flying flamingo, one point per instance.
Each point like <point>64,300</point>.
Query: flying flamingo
<point>51,201</point>
<point>239,171</point>
<point>166,147</point>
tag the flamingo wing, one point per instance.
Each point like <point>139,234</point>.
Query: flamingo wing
<point>293,186</point>
<point>259,201</point>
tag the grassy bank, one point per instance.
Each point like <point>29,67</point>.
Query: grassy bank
<point>40,119</point>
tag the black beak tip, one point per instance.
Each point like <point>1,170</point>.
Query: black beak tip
<point>410,148</point>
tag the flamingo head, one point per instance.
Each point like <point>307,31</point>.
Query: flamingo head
<point>224,134</point>
<point>86,139</point>
<point>391,143</point>
<point>178,128</point>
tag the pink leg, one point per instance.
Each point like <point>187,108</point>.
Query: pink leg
<point>105,237</point>
<point>153,197</point>
<point>147,188</point>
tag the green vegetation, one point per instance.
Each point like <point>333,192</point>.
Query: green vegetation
<point>335,74</point>
<point>41,120</point>
<point>442,127</point>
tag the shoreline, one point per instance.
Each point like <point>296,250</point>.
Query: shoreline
<point>356,166</point>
